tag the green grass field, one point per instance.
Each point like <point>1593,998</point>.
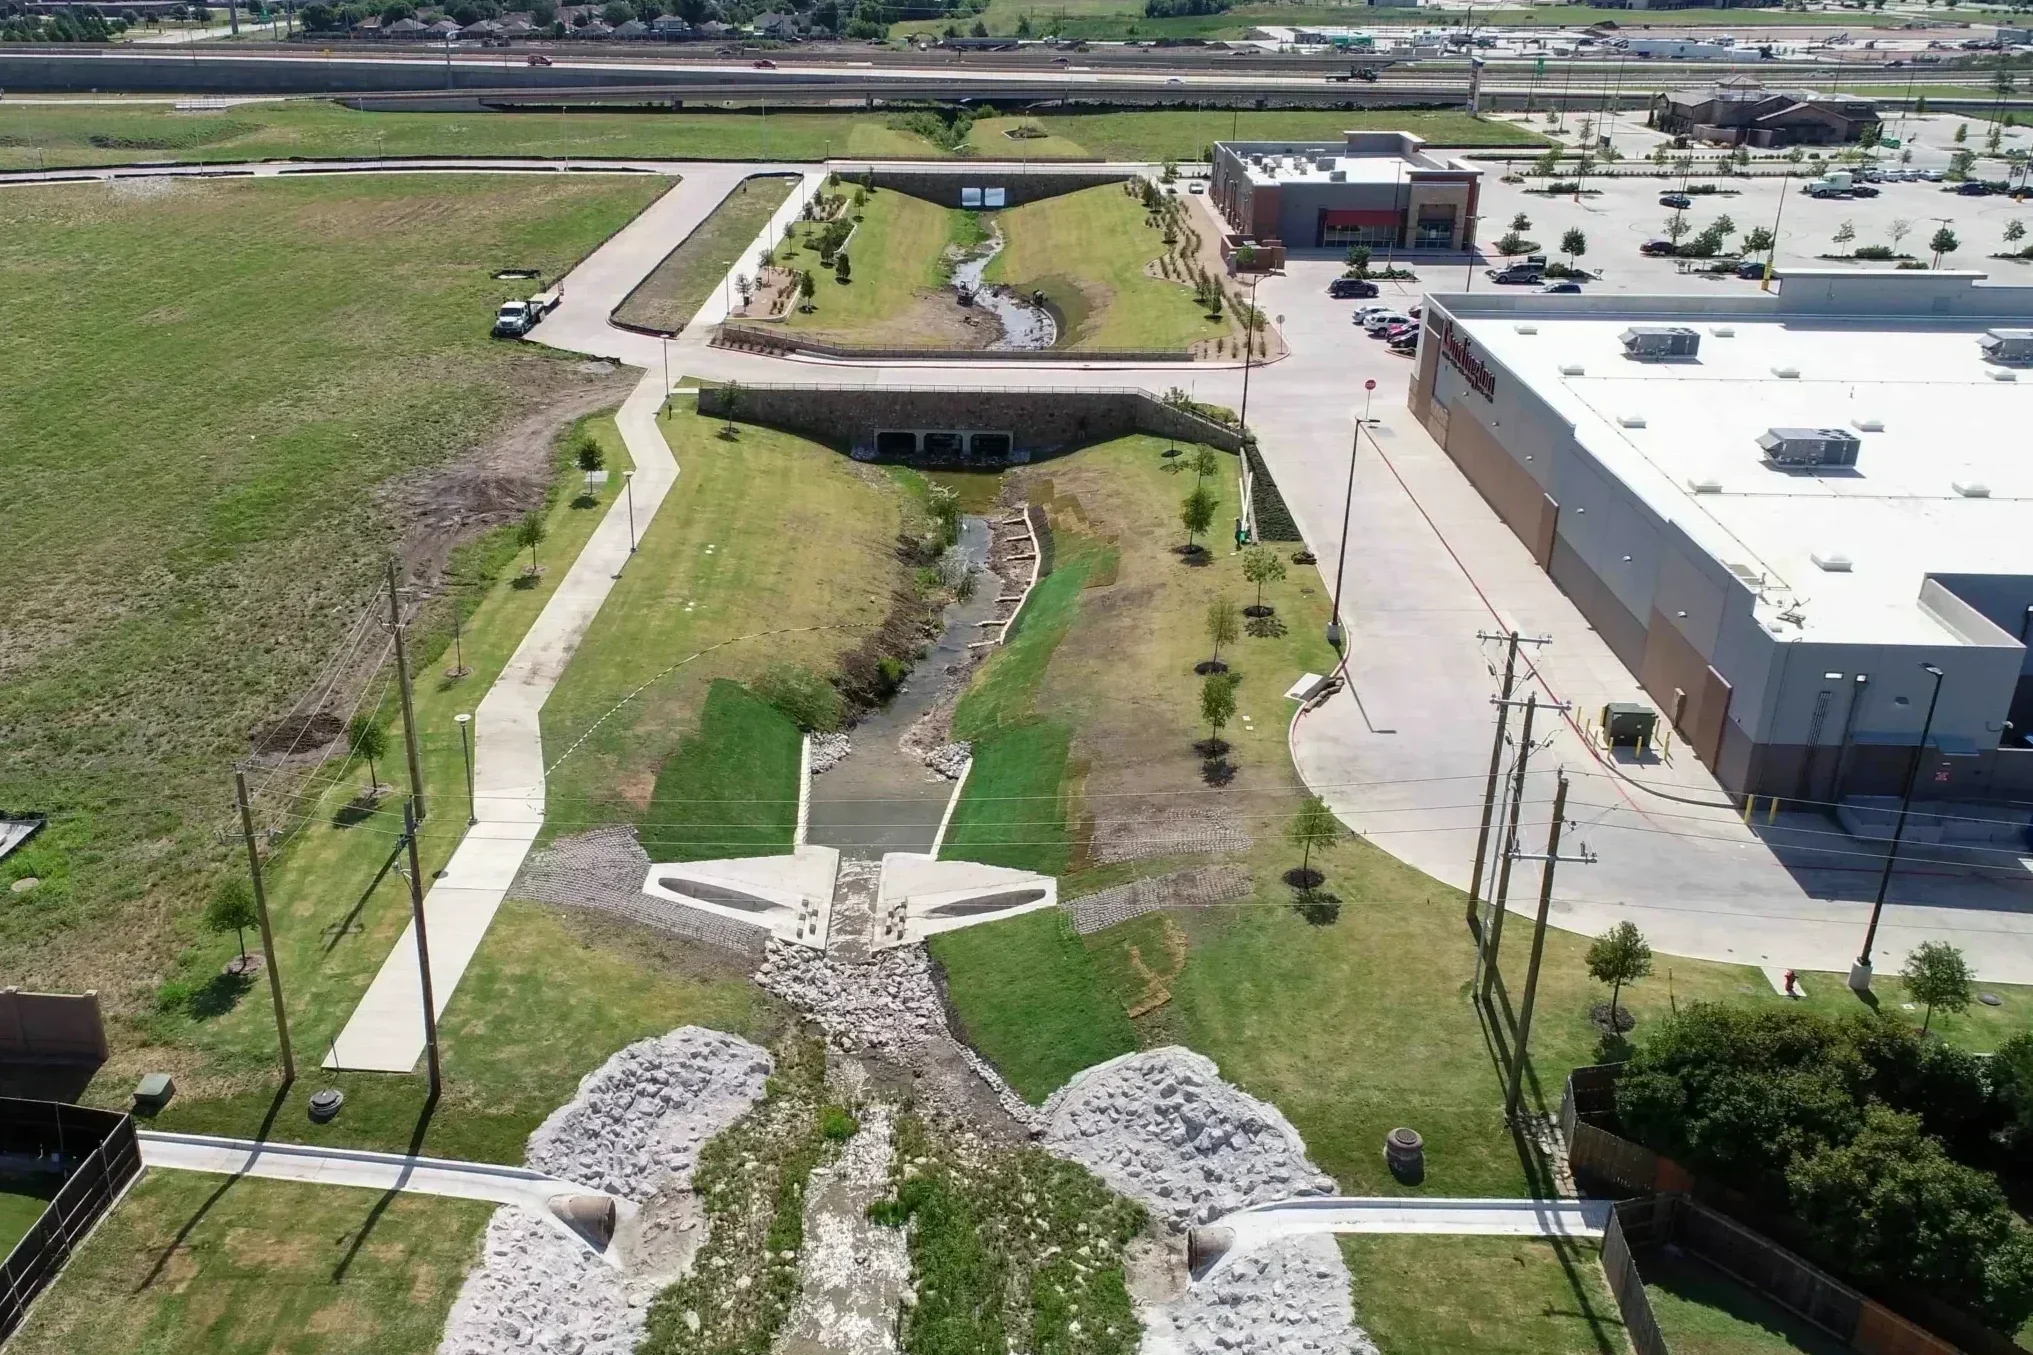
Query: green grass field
<point>671,295</point>
<point>896,260</point>
<point>1419,1295</point>
<point>22,1199</point>
<point>214,436</point>
<point>1087,251</point>
<point>190,1264</point>
<point>1702,1311</point>
<point>731,786</point>
<point>729,582</point>
<point>36,136</point>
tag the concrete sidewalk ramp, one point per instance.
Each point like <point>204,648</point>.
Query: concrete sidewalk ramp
<point>1211,1248</point>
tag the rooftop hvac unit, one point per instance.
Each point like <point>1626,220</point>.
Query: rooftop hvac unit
<point>1337,176</point>
<point>1660,341</point>
<point>2007,345</point>
<point>1810,446</point>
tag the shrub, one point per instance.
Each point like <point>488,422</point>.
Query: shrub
<point>802,697</point>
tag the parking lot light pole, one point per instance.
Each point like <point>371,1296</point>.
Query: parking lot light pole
<point>1860,973</point>
<point>1335,633</point>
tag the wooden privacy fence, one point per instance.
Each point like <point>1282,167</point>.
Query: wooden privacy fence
<point>1665,1210</point>
<point>97,1152</point>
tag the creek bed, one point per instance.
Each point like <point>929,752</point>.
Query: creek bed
<point>1025,324</point>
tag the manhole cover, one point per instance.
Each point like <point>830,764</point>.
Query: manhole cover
<point>325,1104</point>
<point>1988,999</point>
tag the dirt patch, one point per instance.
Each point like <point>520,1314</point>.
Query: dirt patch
<point>298,734</point>
<point>935,320</point>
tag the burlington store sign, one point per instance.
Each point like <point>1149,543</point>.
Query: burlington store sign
<point>1454,344</point>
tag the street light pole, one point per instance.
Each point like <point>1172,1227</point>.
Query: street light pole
<point>1335,634</point>
<point>1248,351</point>
<point>1860,973</point>
<point>628,488</point>
<point>465,721</point>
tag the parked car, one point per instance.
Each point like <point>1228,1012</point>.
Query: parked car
<point>1930,175</point>
<point>1393,333</point>
<point>1363,313</point>
<point>1196,188</point>
<point>1416,311</point>
<point>1675,200</point>
<point>1751,268</point>
<point>1406,344</point>
<point>1560,289</point>
<point>1658,249</point>
<point>1972,190</point>
<point>1344,288</point>
<point>1377,324</point>
<point>1518,273</point>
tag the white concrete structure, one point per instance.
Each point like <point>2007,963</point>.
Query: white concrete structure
<point>790,895</point>
<point>1236,1235</point>
<point>920,896</point>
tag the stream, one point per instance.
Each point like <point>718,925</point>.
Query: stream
<point>880,798</point>
<point>1025,324</point>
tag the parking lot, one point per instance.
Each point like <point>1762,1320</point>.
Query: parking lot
<point>1618,214</point>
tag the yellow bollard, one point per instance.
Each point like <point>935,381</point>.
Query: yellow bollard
<point>1750,803</point>
<point>1772,810</point>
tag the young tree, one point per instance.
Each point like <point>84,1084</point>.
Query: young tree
<point>588,453</point>
<point>1758,240</point>
<point>731,396</point>
<point>1217,702</point>
<point>531,532</point>
<point>1196,514</point>
<point>1900,228</point>
<point>1936,975</point>
<point>1358,261</point>
<point>1573,243</point>
<point>743,287</point>
<point>1205,463</point>
<point>1961,133</point>
<point>1617,957</point>
<point>1313,826</point>
<point>1677,227</point>
<point>843,271</point>
<point>807,289</point>
<point>2015,231</point>
<point>1262,565</point>
<point>1844,233</point>
<point>1521,222</point>
<point>1222,628</point>
<point>1944,242</point>
<point>369,740</point>
<point>1724,226</point>
<point>232,910</point>
<point>2010,1074</point>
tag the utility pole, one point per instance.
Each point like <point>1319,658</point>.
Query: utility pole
<point>423,945</point>
<point>1511,641</point>
<point>267,934</point>
<point>1495,932</point>
<point>1551,859</point>
<point>416,774</point>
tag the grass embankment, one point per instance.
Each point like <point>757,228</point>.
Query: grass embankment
<point>896,262</point>
<point>1488,1295</point>
<point>33,136</point>
<point>671,295</point>
<point>190,1264</point>
<point>1351,1028</point>
<point>1010,1250</point>
<point>769,550</point>
<point>1702,1311</point>
<point>1087,252</point>
<point>721,793</point>
<point>205,480</point>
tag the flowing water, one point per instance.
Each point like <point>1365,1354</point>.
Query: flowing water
<point>1025,324</point>
<point>880,798</point>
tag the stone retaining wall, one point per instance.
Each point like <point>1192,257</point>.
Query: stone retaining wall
<point>1039,420</point>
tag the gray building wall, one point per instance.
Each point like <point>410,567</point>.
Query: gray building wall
<point>1669,610</point>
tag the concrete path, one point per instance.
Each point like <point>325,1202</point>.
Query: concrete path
<point>1218,1244</point>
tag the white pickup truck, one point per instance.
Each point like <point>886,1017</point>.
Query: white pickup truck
<point>517,318</point>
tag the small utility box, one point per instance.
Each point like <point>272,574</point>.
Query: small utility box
<point>1625,724</point>
<point>153,1091</point>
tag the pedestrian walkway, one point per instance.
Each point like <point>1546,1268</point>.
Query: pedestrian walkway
<point>1219,1243</point>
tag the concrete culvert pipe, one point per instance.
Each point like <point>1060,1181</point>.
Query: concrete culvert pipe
<point>1405,1154</point>
<point>590,1216</point>
<point>1205,1247</point>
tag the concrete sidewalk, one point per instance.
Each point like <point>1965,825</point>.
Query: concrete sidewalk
<point>1238,1234</point>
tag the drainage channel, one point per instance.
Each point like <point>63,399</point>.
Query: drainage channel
<point>880,798</point>
<point>1025,323</point>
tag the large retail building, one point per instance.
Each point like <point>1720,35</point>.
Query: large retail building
<point>1779,510</point>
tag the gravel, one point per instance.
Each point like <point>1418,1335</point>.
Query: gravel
<point>638,1121</point>
<point>854,1270</point>
<point>634,1129</point>
<point>1162,1127</point>
<point>950,759</point>
<point>829,750</point>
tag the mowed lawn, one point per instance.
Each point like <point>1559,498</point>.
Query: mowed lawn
<point>671,295</point>
<point>1440,1295</point>
<point>769,550</point>
<point>190,1264</point>
<point>219,398</point>
<point>33,136</point>
<point>1702,1311</point>
<point>895,258</point>
<point>1087,252</point>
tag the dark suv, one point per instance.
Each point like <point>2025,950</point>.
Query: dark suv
<point>1345,288</point>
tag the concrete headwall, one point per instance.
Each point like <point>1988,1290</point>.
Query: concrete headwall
<point>1039,421</point>
<point>1020,183</point>
<point>51,1027</point>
